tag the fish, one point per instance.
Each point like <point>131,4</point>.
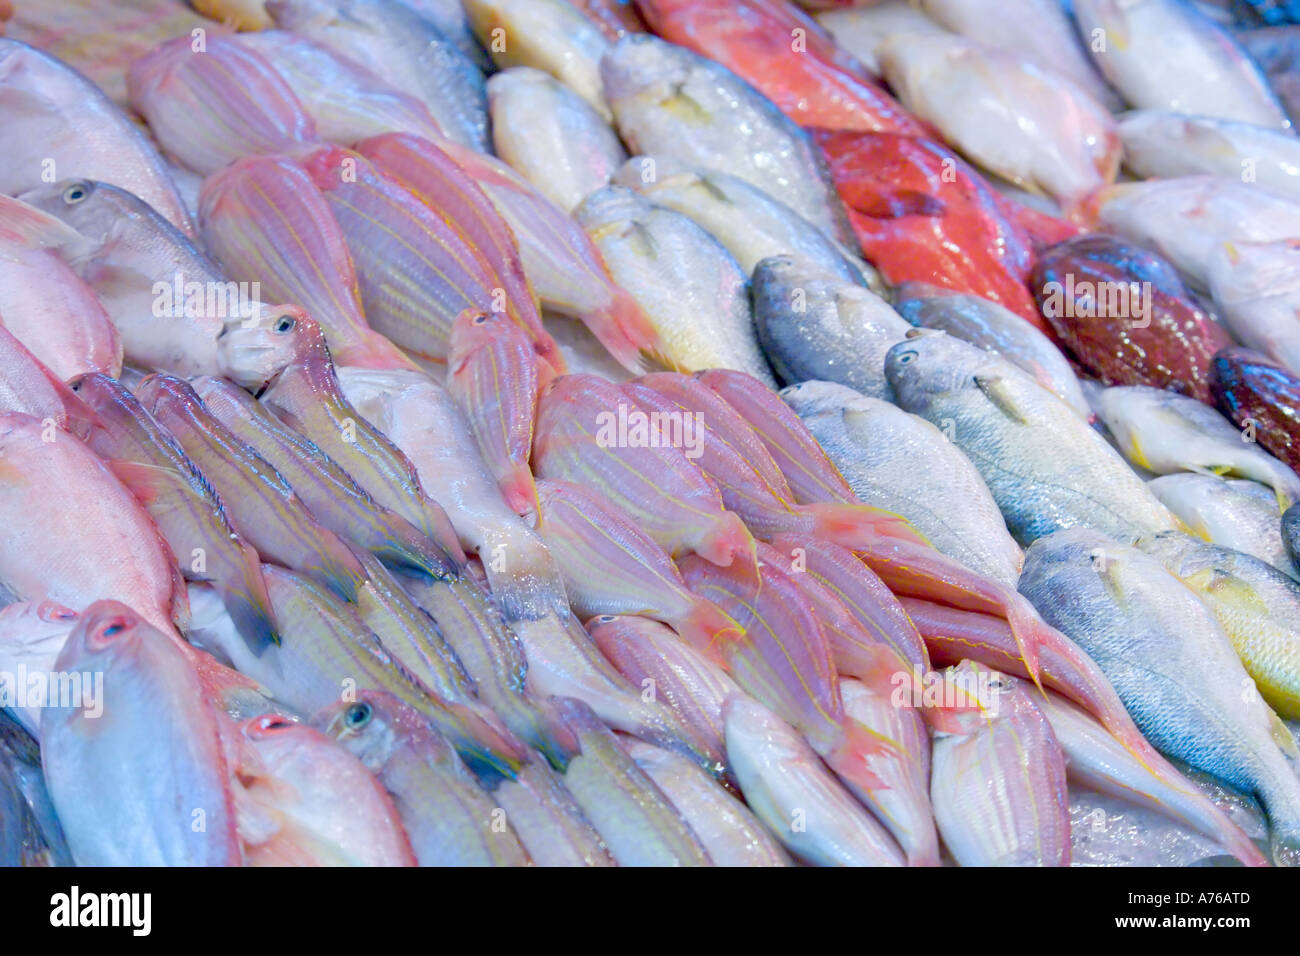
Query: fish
<point>210,101</point>
<point>1040,31</point>
<point>55,314</point>
<point>725,827</point>
<point>612,567</point>
<point>678,274</point>
<point>1164,432</point>
<point>347,102</point>
<point>415,273</point>
<point>633,817</point>
<point>27,386</point>
<point>1160,143</point>
<point>995,329</point>
<point>31,833</point>
<point>863,30</point>
<point>493,376</point>
<point>1045,467</point>
<point>1261,397</point>
<point>1171,663</point>
<point>1124,314</point>
<point>1036,128</point>
<point>450,821</point>
<point>1187,219</point>
<point>1257,605</point>
<point>551,136</point>
<point>1160,54</point>
<point>614,18</point>
<point>789,789</point>
<point>534,242</point>
<point>130,774</point>
<point>1273,48</point>
<point>1253,285</point>
<point>1232,512</point>
<point>908,212</point>
<point>264,220</point>
<point>906,465</point>
<point>548,821</point>
<point>547,35</point>
<point>402,48</point>
<point>74,533</point>
<point>813,326</point>
<point>53,109</point>
<point>327,809</point>
<point>171,306</point>
<point>654,659</point>
<point>749,223</point>
<point>656,486</point>
<point>31,635</point>
<point>330,493</point>
<point>184,506</point>
<point>260,505</point>
<point>998,777</point>
<point>530,640</point>
<point>670,101</point>
<point>452,21</point>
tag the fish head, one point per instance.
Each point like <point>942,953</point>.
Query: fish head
<point>971,696</point>
<point>612,210</point>
<point>112,402</point>
<point>254,352</point>
<point>105,633</point>
<point>927,364</point>
<point>811,398</point>
<point>90,207</point>
<point>166,397</point>
<point>33,624</point>
<point>642,66</point>
<point>473,330</point>
<point>1076,559</point>
<point>371,726</point>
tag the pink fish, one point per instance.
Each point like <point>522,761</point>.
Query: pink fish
<point>264,219</point>
<point>29,387</point>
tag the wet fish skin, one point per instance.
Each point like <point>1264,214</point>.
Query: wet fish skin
<point>329,492</point>
<point>1163,432</point>
<point>1020,436</point>
<point>30,819</point>
<point>611,566</point>
<point>52,110</point>
<point>633,817</point>
<point>862,30</point>
<point>494,376</point>
<point>1233,513</point>
<point>1198,69</point>
<point>74,534</point>
<point>816,327</point>
<point>1257,606</point>
<point>531,235</point>
<point>551,136</point>
<point>1255,392</point>
<point>184,506</point>
<point>124,249</point>
<point>122,803</point>
<point>730,834</point>
<point>998,777</point>
<point>547,35</point>
<point>32,633</point>
<point>992,327</point>
<point>404,49</point>
<point>948,80</point>
<point>1171,663</point>
<point>780,776</point>
<point>751,224</point>
<point>908,466</point>
<point>1254,284</point>
<point>678,273</point>
<point>264,221</point>
<point>55,314</point>
<point>550,824</point>
<point>658,487</point>
<point>260,504</point>
<point>655,659</point>
<point>669,101</point>
<point>27,386</point>
<point>210,106</point>
<point>449,819</point>
<point>328,808</point>
<point>346,101</point>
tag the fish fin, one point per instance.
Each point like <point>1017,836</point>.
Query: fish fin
<point>142,479</point>
<point>622,326</point>
<point>520,490</point>
<point>249,604</point>
<point>996,391</point>
<point>706,624</point>
<point>1282,735</point>
<point>726,540</point>
<point>374,351</point>
<point>851,756</point>
<point>849,525</point>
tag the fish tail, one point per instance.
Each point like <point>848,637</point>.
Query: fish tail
<point>340,570</point>
<point>852,755</point>
<point>243,592</point>
<point>520,489</point>
<point>726,540</point>
<point>849,525</point>
<point>622,326</point>
<point>706,627</point>
<point>490,752</point>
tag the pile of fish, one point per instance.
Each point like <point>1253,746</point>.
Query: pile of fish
<point>681,432</point>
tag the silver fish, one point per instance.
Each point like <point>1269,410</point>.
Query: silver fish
<point>1256,286</point>
<point>1231,512</point>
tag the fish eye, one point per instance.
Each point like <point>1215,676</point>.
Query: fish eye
<point>605,618</point>
<point>114,628</point>
<point>285,323</point>
<point>908,357</point>
<point>358,715</point>
<point>75,193</point>
<point>480,318</point>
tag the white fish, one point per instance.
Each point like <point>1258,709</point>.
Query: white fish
<point>1256,286</point>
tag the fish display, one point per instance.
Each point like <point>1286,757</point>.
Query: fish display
<point>591,433</point>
